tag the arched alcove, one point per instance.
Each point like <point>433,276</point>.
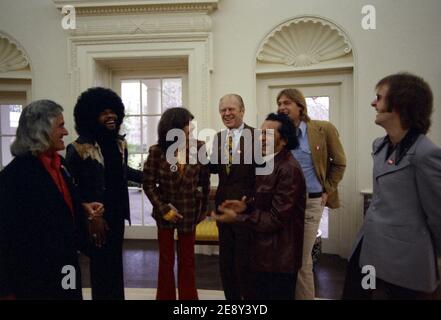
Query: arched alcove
<point>316,56</point>
<point>12,56</point>
<point>15,91</point>
<point>305,42</point>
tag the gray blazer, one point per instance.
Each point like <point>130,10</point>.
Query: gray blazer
<point>402,229</point>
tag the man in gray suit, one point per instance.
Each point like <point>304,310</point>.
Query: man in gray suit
<point>400,239</point>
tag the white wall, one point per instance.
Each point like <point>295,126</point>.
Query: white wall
<point>36,25</point>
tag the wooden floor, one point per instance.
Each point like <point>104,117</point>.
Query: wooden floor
<point>141,268</point>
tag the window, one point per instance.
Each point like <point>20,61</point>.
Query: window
<point>9,115</point>
<point>318,108</point>
<point>145,100</point>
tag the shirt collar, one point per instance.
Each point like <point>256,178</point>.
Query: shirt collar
<point>302,128</point>
<point>236,131</point>
<point>403,146</point>
<point>50,159</point>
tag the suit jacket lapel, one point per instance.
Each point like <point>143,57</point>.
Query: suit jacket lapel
<point>239,152</point>
<point>237,155</point>
<point>72,190</point>
<point>221,151</point>
<point>383,166</point>
<point>315,137</point>
<point>50,187</point>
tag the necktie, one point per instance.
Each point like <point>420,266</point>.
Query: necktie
<point>229,153</point>
<point>181,168</point>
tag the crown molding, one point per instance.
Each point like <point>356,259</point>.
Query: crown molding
<point>155,24</point>
<point>119,7</point>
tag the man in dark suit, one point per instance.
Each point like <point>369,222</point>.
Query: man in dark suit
<point>232,160</point>
<point>40,215</point>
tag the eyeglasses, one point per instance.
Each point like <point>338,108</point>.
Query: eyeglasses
<point>378,97</point>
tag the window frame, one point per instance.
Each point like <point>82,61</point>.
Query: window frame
<point>117,78</point>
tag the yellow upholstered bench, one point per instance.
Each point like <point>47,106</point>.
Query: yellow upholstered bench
<point>207,233</point>
<point>206,230</point>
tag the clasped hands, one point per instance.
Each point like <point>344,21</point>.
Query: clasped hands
<point>97,224</point>
<point>230,209</point>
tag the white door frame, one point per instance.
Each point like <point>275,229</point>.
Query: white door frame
<point>85,52</point>
<point>147,231</point>
<point>342,223</point>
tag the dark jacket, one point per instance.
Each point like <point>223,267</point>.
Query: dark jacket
<point>277,217</point>
<point>240,181</point>
<point>86,163</point>
<point>188,193</point>
<point>38,234</point>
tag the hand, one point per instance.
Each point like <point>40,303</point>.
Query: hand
<point>173,215</point>
<point>237,205</point>
<point>93,209</point>
<point>227,216</point>
<point>97,230</point>
<point>324,198</point>
<point>176,217</point>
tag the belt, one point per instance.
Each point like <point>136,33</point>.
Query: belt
<point>315,195</point>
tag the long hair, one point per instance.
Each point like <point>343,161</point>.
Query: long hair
<point>35,127</point>
<point>90,104</point>
<point>286,129</point>
<point>173,118</point>
<point>411,97</point>
<point>296,96</point>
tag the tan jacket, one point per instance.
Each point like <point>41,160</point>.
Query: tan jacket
<point>328,157</point>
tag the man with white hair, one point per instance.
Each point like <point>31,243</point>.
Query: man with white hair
<point>40,215</point>
<point>235,181</point>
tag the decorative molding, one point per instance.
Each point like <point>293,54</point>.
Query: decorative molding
<point>142,25</point>
<point>303,42</point>
<point>141,29</point>
<point>100,8</point>
<point>85,51</point>
<point>12,55</point>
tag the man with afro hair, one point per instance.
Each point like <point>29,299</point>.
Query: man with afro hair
<point>98,163</point>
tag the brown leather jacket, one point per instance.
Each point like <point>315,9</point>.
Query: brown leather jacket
<point>277,217</point>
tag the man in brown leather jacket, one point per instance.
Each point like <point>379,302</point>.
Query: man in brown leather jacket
<point>276,214</point>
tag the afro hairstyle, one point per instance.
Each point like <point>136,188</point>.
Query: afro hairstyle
<point>90,104</point>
